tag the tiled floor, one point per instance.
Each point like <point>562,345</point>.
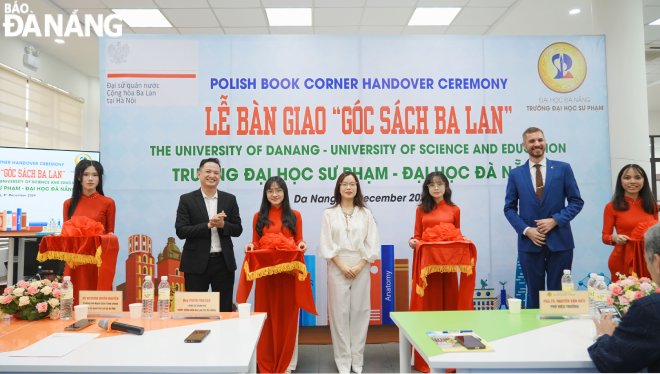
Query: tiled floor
<point>378,358</point>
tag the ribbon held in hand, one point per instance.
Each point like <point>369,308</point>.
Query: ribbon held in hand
<point>641,229</point>
<point>443,232</point>
<point>82,226</point>
<point>277,242</point>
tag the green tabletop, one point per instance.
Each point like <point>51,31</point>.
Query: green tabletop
<point>488,324</point>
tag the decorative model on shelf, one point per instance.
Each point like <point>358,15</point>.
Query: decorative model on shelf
<point>484,298</point>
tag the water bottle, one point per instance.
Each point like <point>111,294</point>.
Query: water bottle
<point>590,288</point>
<point>567,281</point>
<point>66,299</point>
<point>147,298</point>
<point>163,299</point>
<point>600,293</point>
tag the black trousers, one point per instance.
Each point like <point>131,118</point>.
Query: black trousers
<point>221,279</point>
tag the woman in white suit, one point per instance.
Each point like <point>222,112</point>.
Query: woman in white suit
<point>349,242</point>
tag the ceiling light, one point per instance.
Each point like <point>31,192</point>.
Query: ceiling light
<point>655,23</point>
<point>433,16</point>
<point>289,16</point>
<point>59,41</point>
<point>574,11</point>
<point>143,17</point>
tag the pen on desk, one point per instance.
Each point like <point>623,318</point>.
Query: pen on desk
<point>558,317</point>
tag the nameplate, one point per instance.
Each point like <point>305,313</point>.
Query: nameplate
<point>191,304</point>
<point>566,303</point>
<point>108,303</point>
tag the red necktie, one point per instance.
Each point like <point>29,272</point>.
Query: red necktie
<point>539,182</point>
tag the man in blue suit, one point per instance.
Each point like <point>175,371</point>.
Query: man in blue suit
<point>535,206</point>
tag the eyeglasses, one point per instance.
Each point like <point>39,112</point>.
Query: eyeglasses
<point>435,185</point>
<point>277,191</point>
<point>352,184</point>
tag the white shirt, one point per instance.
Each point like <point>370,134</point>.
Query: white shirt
<point>361,239</point>
<point>212,209</point>
<point>532,170</point>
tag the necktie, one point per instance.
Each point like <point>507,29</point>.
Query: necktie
<point>539,182</point>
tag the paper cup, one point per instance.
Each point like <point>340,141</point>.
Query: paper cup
<point>514,306</point>
<point>81,311</point>
<point>135,309</point>
<point>244,310</point>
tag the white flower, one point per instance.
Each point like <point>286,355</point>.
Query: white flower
<point>46,290</point>
<point>36,284</point>
<point>24,300</point>
<point>19,291</point>
<point>54,302</point>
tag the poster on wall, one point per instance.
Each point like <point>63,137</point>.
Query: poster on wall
<point>34,183</point>
<point>389,108</point>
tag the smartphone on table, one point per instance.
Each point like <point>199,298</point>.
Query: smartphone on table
<point>616,316</point>
<point>470,342</point>
<point>79,325</point>
<point>197,336</point>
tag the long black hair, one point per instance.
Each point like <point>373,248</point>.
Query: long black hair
<point>289,219</point>
<point>77,184</point>
<point>358,200</point>
<point>427,202</point>
<point>619,201</point>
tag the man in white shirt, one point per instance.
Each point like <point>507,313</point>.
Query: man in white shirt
<point>535,205</point>
<point>207,219</point>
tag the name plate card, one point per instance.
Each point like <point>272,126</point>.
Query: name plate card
<point>566,303</point>
<point>194,304</point>
<point>103,302</point>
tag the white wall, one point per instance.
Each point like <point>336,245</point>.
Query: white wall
<point>654,122</point>
<point>61,75</point>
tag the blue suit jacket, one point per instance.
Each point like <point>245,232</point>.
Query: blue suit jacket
<point>634,344</point>
<point>522,207</point>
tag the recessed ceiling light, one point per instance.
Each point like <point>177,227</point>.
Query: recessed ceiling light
<point>574,11</point>
<point>59,41</point>
<point>433,16</point>
<point>143,17</point>
<point>289,16</point>
<point>655,23</point>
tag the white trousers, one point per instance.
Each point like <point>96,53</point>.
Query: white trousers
<point>294,358</point>
<point>349,307</point>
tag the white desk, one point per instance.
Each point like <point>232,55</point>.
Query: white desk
<point>557,348</point>
<point>230,347</point>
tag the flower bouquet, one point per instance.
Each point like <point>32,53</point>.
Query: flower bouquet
<point>32,300</point>
<point>623,293</point>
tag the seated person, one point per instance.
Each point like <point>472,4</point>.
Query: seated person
<point>633,345</point>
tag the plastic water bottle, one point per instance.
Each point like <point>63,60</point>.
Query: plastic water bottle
<point>600,293</point>
<point>66,299</point>
<point>590,288</point>
<point>147,298</point>
<point>567,281</point>
<point>163,299</point>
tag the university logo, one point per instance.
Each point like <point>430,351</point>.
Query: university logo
<point>82,156</point>
<point>562,67</point>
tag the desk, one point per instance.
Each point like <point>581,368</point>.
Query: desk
<point>13,235</point>
<point>521,342</point>
<point>230,347</point>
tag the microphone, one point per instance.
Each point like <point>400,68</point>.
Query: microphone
<point>111,325</point>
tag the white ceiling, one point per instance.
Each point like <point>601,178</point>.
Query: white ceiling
<point>390,17</point>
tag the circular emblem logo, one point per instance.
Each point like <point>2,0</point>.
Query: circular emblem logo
<point>82,156</point>
<point>562,67</point>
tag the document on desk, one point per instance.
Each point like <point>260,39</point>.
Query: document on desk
<point>448,341</point>
<point>55,345</point>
